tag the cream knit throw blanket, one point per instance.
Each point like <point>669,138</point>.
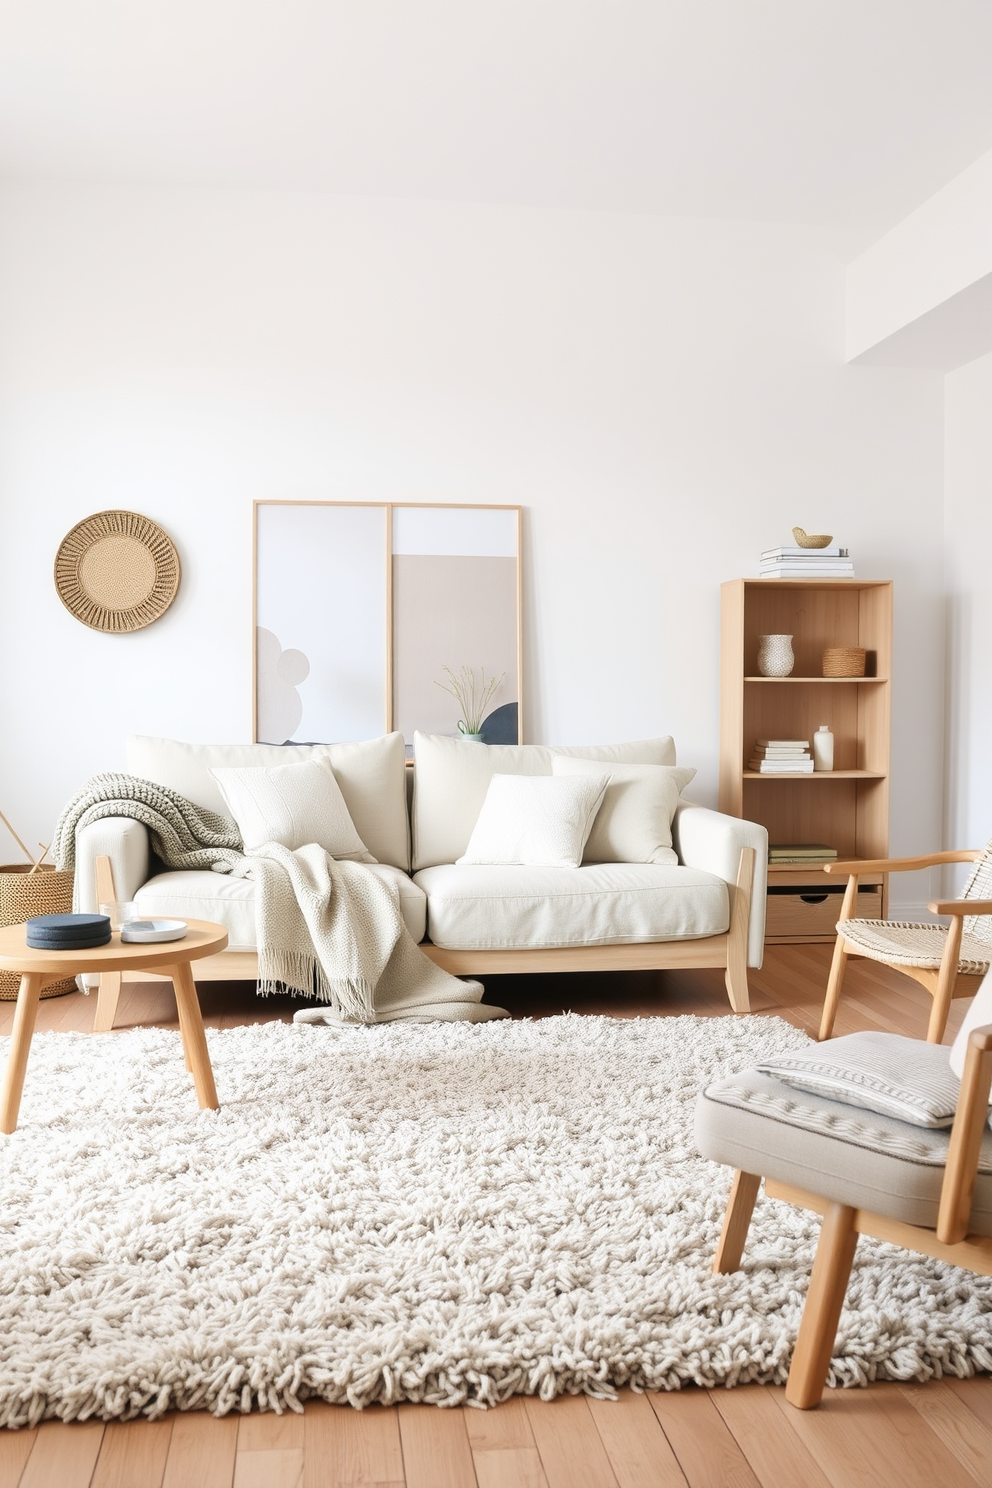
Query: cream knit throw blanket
<point>329,930</point>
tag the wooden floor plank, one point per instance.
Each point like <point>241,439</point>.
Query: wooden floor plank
<point>572,1451</point>
<point>861,1438</point>
<point>962,1431</point>
<point>638,1449</point>
<point>707,1452</point>
<point>15,1449</point>
<point>201,1451</point>
<point>777,1457</point>
<point>345,1446</point>
<point>281,1467</point>
<point>504,1428</point>
<point>436,1451</point>
<point>133,1454</point>
<point>264,1431</point>
<point>509,1467</point>
<point>63,1456</point>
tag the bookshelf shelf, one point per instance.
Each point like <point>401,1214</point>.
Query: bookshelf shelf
<point>849,806</point>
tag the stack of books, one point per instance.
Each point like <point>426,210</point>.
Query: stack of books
<point>803,854</point>
<point>806,563</point>
<point>782,757</point>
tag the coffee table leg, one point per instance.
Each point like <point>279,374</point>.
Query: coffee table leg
<point>20,1043</point>
<point>194,1040</point>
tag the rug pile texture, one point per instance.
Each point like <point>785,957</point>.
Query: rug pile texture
<point>436,1212</point>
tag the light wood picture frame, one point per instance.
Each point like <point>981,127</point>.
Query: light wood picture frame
<point>360,607</point>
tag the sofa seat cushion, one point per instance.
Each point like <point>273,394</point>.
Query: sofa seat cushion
<point>483,907</point>
<point>875,1162</point>
<point>231,901</point>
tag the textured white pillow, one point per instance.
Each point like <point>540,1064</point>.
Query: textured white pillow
<point>535,819</point>
<point>883,1072</point>
<point>634,823</point>
<point>292,805</point>
<point>979,1015</point>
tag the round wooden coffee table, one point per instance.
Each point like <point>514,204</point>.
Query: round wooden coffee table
<point>171,959</point>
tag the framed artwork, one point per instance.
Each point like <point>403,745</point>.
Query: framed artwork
<point>366,614</point>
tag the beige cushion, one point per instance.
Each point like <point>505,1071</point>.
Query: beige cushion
<point>372,777</point>
<point>293,805</point>
<point>979,1015</point>
<point>231,901</point>
<point>873,1162</point>
<point>452,778</point>
<point>535,819</point>
<point>483,908</point>
<point>883,1072</point>
<point>634,822</point>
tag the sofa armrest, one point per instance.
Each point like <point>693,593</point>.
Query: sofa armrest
<point>712,841</point>
<point>125,843</point>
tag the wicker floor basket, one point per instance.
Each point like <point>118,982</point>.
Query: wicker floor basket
<point>24,894</point>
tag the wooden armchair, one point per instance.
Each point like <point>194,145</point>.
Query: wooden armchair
<point>915,1186</point>
<point>949,961</point>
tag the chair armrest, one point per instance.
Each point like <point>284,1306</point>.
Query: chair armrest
<point>857,866</point>
<point>958,1188</point>
<point>125,843</point>
<point>960,906</point>
<point>713,841</point>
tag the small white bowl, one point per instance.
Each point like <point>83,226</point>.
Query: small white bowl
<point>140,932</point>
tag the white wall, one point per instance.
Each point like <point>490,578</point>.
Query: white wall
<point>968,527</point>
<point>664,397</point>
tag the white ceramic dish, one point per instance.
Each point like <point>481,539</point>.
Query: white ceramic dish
<point>140,932</point>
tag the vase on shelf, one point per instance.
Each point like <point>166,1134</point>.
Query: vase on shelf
<point>775,655</point>
<point>823,748</point>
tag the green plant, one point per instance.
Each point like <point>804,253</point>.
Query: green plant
<point>473,697</point>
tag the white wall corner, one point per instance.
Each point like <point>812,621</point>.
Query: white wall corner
<point>922,295</point>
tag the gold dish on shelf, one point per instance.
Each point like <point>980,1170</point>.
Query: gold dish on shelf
<point>812,539</point>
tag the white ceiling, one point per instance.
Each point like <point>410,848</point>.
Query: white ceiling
<point>842,111</point>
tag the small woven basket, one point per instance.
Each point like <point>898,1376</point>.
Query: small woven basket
<point>844,661</point>
<point>23,895</point>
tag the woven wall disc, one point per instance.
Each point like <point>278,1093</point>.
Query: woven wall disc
<point>117,571</point>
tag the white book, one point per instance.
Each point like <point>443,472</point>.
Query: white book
<point>832,551</point>
<point>789,767</point>
<point>782,743</point>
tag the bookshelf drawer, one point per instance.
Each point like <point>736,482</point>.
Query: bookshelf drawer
<point>803,910</point>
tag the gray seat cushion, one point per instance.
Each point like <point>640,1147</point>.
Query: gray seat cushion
<point>873,1162</point>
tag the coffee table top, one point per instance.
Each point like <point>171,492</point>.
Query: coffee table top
<point>202,939</point>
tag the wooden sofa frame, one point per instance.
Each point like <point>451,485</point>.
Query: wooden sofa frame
<point>727,952</point>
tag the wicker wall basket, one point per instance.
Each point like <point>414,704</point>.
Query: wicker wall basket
<point>24,894</point>
<point>844,661</point>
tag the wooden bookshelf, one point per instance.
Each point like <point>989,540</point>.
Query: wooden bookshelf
<point>848,807</point>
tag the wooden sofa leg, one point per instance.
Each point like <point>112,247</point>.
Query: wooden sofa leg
<point>946,977</point>
<point>736,1221</point>
<point>740,915</point>
<point>821,1314</point>
<point>835,982</point>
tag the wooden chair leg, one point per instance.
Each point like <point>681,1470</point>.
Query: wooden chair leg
<point>835,982</point>
<point>821,1314</point>
<point>736,1221</point>
<point>106,1001</point>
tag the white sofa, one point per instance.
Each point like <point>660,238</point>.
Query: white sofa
<point>472,919</point>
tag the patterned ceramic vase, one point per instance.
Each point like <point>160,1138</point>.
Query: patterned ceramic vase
<point>775,657</point>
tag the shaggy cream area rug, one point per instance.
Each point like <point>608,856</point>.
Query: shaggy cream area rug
<point>436,1212</point>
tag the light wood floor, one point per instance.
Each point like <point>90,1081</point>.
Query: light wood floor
<point>915,1436</point>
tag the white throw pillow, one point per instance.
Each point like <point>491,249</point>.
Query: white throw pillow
<point>452,777</point>
<point>883,1072</point>
<point>634,823</point>
<point>535,819</point>
<point>292,805</point>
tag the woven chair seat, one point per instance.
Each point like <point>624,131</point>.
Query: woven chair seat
<point>902,943</point>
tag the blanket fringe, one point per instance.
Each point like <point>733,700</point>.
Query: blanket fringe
<point>297,971</point>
